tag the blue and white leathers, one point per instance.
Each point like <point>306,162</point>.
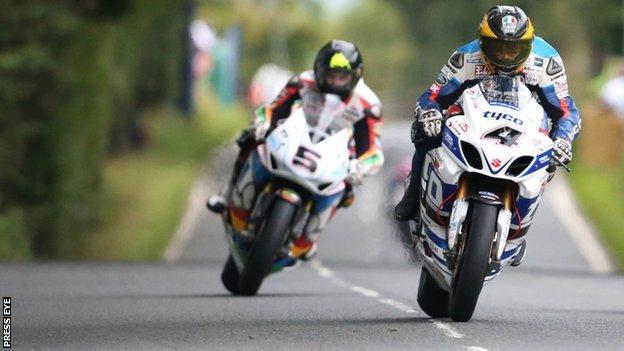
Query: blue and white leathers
<point>543,73</point>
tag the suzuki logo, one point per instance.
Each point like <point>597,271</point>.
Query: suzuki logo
<point>496,163</point>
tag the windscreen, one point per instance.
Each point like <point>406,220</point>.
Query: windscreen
<point>503,91</point>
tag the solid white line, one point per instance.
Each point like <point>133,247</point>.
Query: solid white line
<point>448,330</point>
<point>581,232</point>
<point>194,207</point>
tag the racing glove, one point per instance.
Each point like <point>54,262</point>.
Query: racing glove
<point>431,122</point>
<point>563,150</point>
<point>356,172</point>
<point>260,129</point>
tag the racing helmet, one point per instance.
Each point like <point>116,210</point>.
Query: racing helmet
<point>338,67</point>
<point>505,38</point>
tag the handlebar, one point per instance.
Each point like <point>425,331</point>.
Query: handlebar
<point>559,163</point>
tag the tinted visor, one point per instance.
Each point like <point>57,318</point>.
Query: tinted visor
<point>506,53</point>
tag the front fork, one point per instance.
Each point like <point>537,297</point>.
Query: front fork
<point>458,216</point>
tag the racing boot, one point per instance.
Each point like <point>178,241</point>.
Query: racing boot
<point>408,207</point>
<point>348,197</point>
<point>520,255</point>
<point>217,203</point>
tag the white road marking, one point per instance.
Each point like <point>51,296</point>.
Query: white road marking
<point>446,328</point>
<point>194,209</point>
<point>579,229</point>
<point>364,291</point>
<point>398,305</point>
<point>475,348</point>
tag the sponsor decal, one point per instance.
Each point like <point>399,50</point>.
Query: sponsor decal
<point>499,115</point>
<point>435,88</point>
<point>554,67</point>
<point>504,135</point>
<point>496,163</point>
<point>457,60</point>
<point>474,60</point>
<point>544,159</point>
<point>510,23</point>
<point>464,126</point>
<point>561,88</point>
<point>489,195</point>
<point>450,68</point>
<point>538,62</point>
<point>481,70</point>
<point>448,140</point>
<point>441,79</point>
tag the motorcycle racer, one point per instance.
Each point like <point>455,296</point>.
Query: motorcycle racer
<point>338,69</point>
<point>506,45</point>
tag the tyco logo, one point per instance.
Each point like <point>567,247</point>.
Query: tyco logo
<point>500,115</point>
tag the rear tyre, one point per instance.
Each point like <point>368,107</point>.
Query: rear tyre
<point>230,276</point>
<point>474,262</point>
<point>432,299</point>
<point>260,258</point>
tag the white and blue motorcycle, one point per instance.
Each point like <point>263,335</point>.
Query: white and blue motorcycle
<point>480,191</point>
<point>298,171</point>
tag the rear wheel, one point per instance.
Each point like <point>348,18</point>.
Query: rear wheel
<point>267,244</point>
<point>474,262</point>
<point>230,275</point>
<point>432,299</point>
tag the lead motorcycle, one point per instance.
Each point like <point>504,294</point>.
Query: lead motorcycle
<point>480,191</point>
<point>298,170</point>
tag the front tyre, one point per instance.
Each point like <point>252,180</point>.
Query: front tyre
<point>260,259</point>
<point>474,262</point>
<point>432,299</point>
<point>230,276</point>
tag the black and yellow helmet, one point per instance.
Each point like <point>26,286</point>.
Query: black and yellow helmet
<point>506,38</point>
<point>338,56</point>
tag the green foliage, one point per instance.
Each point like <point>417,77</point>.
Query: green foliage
<point>145,193</point>
<point>69,72</point>
<point>600,191</point>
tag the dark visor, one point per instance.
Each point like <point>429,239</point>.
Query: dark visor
<point>506,52</point>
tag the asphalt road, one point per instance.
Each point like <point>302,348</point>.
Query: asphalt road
<point>359,294</point>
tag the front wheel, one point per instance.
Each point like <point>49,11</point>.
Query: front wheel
<point>474,262</point>
<point>432,299</point>
<point>230,275</point>
<point>260,259</point>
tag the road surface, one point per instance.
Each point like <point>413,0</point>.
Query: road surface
<point>359,294</point>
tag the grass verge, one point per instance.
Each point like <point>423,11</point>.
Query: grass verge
<point>145,193</point>
<point>600,192</point>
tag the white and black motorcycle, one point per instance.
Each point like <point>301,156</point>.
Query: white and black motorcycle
<point>298,170</point>
<point>480,191</point>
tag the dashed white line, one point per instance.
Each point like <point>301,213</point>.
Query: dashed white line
<point>475,348</point>
<point>446,328</point>
<point>364,291</point>
<point>398,305</point>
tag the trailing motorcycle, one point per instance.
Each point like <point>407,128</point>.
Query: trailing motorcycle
<point>297,170</point>
<point>480,191</point>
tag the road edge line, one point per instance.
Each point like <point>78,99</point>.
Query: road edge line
<point>194,205</point>
<point>578,227</point>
